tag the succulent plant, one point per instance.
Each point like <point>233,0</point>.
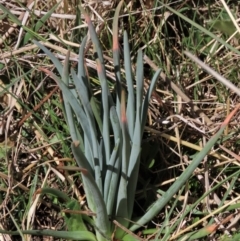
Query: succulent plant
<point>111,164</point>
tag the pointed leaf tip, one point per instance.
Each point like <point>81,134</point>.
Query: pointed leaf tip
<point>115,26</point>
<point>76,143</point>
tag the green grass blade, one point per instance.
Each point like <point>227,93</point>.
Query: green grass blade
<point>20,232</point>
<point>73,235</point>
<point>137,136</point>
<point>94,197</point>
<point>84,78</point>
<point>88,152</point>
<point>75,105</point>
<point>74,220</point>
<point>16,20</point>
<point>96,43</point>
<point>133,179</point>
<point>12,16</point>
<point>139,80</point>
<point>84,97</point>
<point>116,58</point>
<point>34,186</point>
<point>113,171</point>
<point>97,113</point>
<point>147,99</point>
<point>68,113</point>
<point>122,198</point>
<point>111,180</point>
<point>129,80</point>
<point>105,104</point>
<point>55,192</point>
<point>136,142</point>
<point>71,122</point>
<point>104,84</point>
<point>122,207</point>
<point>115,124</point>
<point>82,92</point>
<point>40,23</point>
<point>55,61</point>
<point>81,69</point>
<point>158,205</point>
<point>45,17</point>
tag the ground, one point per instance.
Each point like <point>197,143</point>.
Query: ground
<point>187,108</point>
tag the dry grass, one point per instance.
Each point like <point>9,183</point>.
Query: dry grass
<point>186,109</point>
